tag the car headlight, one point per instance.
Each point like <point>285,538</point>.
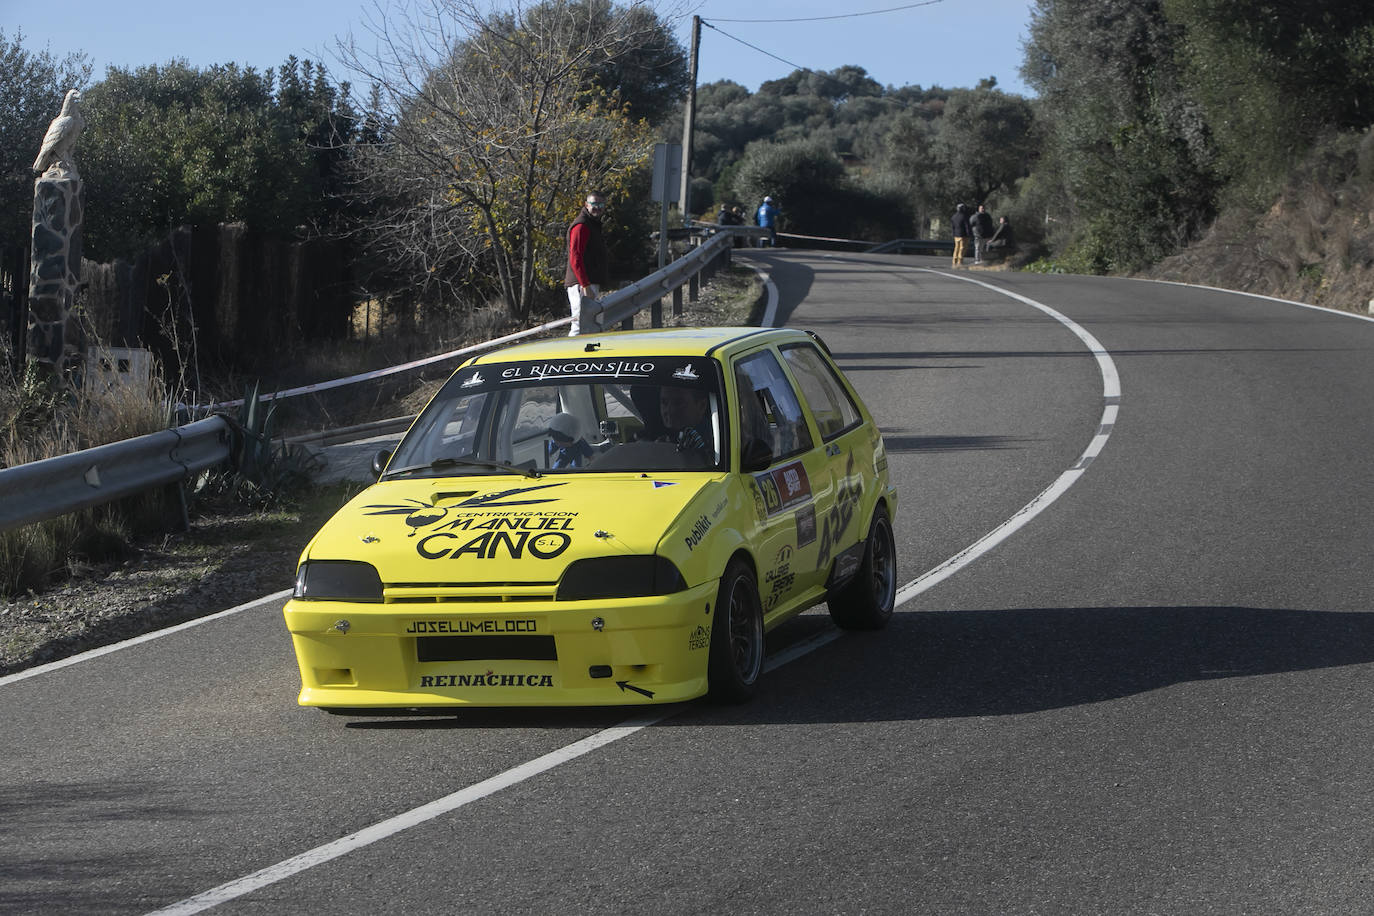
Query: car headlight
<point>619,577</point>
<point>338,580</point>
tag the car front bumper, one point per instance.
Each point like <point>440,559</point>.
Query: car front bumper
<point>547,653</point>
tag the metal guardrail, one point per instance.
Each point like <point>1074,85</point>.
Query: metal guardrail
<point>55,486</point>
<point>623,304</point>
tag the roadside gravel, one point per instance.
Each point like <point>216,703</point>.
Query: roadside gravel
<point>231,557</point>
<point>226,559</point>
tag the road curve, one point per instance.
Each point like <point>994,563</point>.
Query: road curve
<point>1150,698</point>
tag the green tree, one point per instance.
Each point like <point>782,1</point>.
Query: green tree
<point>814,192</point>
<point>984,143</point>
<point>904,162</point>
<point>646,68</point>
<point>174,144</point>
<point>1128,144</point>
<point>728,119</point>
<point>801,177</point>
<point>883,139</point>
<point>1272,76</point>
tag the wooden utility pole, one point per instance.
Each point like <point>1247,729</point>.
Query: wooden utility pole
<point>689,122</point>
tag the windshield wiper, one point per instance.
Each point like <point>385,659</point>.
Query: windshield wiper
<point>438,463</point>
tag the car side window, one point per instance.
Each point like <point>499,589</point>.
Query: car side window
<point>831,406</point>
<point>769,408</point>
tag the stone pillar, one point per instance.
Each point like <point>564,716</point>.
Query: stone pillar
<point>55,273</point>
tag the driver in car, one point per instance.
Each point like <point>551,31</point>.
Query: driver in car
<point>687,414</point>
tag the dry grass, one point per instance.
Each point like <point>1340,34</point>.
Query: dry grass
<point>41,421</point>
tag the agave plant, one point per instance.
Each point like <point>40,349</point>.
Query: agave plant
<point>263,470</point>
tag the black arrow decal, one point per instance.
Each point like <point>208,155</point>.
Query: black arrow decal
<point>626,685</point>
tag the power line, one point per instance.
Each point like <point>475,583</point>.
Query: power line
<point>755,47</point>
<point>893,9</point>
<point>796,66</point>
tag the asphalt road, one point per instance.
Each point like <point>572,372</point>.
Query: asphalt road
<point>1150,697</point>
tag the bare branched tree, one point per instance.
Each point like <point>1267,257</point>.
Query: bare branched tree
<point>486,130</point>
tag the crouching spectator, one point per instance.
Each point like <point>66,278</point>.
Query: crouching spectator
<point>1003,241</point>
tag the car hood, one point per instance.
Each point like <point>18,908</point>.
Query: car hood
<point>503,529</point>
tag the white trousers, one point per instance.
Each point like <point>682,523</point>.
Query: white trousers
<point>577,303</point>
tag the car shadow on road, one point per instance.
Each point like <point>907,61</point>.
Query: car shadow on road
<point>931,665</point>
<point>952,443</point>
<point>538,718</point>
<point>954,664</point>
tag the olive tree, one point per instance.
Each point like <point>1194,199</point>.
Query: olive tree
<point>1124,139</point>
<point>984,142</point>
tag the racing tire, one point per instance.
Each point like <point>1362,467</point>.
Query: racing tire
<point>865,602</point>
<point>736,658</point>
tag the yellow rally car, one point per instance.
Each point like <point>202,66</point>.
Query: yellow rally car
<point>598,520</point>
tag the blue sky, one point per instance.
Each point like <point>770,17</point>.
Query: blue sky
<point>950,43</point>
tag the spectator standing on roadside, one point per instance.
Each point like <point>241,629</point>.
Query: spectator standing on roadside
<point>737,219</point>
<point>767,217</point>
<point>587,260</point>
<point>960,225</point>
<point>982,231</point>
<point>731,217</point>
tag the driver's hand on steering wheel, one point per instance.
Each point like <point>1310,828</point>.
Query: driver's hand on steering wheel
<point>690,440</point>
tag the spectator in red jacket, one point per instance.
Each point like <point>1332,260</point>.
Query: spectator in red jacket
<point>587,260</point>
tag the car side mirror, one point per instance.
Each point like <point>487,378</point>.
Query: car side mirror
<point>755,455</point>
<point>379,461</point>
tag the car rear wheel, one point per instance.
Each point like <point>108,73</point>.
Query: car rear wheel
<point>866,601</point>
<point>736,637</point>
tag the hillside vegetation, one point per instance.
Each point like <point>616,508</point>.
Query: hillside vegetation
<point>1314,245</point>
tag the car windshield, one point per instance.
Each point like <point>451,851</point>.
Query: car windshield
<point>569,416</point>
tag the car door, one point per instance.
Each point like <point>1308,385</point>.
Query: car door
<point>847,446</point>
<point>791,491</point>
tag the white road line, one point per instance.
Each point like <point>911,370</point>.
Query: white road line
<point>383,829</point>
<point>770,311</point>
<point>1236,292</point>
<point>1111,397</point>
<point>137,640</point>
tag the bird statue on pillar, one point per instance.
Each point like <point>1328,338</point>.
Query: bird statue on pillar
<point>55,156</point>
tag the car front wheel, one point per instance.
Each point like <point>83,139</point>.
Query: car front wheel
<point>736,637</point>
<point>866,601</point>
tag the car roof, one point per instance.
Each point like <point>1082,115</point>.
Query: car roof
<point>647,342</point>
